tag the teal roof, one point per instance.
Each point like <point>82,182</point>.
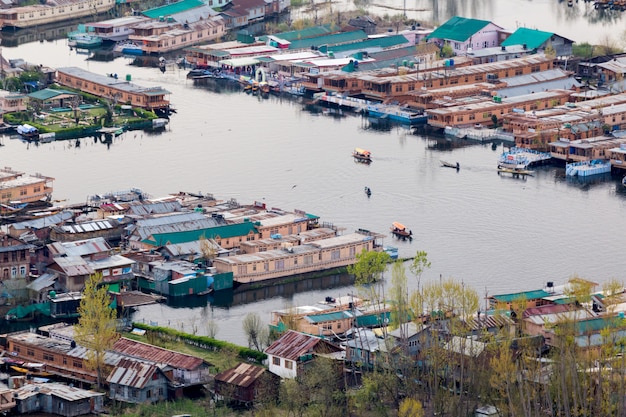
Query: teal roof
<point>294,35</point>
<point>336,315</point>
<point>383,42</point>
<point>330,40</point>
<point>532,38</point>
<point>458,29</point>
<point>518,296</point>
<point>597,324</point>
<point>223,232</point>
<point>170,9</point>
<point>47,94</point>
<point>371,320</point>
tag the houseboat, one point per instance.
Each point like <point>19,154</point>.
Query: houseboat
<point>158,37</point>
<point>291,260</point>
<point>115,30</point>
<point>18,188</point>
<point>52,11</point>
<point>84,40</point>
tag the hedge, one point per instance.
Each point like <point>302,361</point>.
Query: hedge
<point>203,342</point>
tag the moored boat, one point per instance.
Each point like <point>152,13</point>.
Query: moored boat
<point>33,369</point>
<point>27,131</point>
<point>516,172</point>
<point>361,155</point>
<point>399,230</point>
<point>128,48</point>
<point>588,168</point>
<point>397,113</point>
<point>450,164</point>
<point>84,40</point>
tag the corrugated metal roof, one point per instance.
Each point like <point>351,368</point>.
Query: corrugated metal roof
<point>173,8</point>
<point>458,29</point>
<point>330,40</point>
<point>382,42</point>
<point>300,34</point>
<point>532,38</point>
<point>66,392</point>
<point>146,208</point>
<point>49,93</point>
<point>157,354</point>
<point>324,317</point>
<point>132,373</point>
<point>43,222</point>
<point>223,232</point>
<point>520,296</point>
<point>293,344</point>
<point>242,375</point>
<point>80,247</point>
<point>74,266</point>
<point>46,280</point>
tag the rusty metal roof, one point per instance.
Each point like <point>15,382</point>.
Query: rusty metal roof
<point>293,344</point>
<point>156,354</point>
<point>145,209</point>
<point>242,375</point>
<point>132,373</point>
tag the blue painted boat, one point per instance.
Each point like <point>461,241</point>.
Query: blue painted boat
<point>397,113</point>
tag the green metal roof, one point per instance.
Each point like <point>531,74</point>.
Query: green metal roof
<point>170,9</point>
<point>223,232</point>
<point>518,296</point>
<point>532,38</point>
<point>47,94</point>
<point>294,35</point>
<point>320,318</point>
<point>371,320</point>
<point>383,42</point>
<point>330,40</point>
<point>458,29</point>
<point>597,324</point>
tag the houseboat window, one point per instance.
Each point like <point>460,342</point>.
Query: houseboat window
<point>242,269</point>
<point>295,261</point>
<point>279,264</point>
<point>64,361</point>
<point>276,361</point>
<point>266,266</point>
<point>335,255</point>
<point>308,259</point>
<point>13,272</point>
<point>30,352</point>
<point>48,357</point>
<point>22,271</point>
<point>254,267</point>
<point>352,250</point>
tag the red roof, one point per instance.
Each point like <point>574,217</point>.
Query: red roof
<point>156,354</point>
<point>293,344</point>
<point>242,375</point>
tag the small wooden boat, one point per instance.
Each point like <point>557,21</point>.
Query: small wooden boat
<point>516,172</point>
<point>449,164</point>
<point>361,155</point>
<point>400,231</point>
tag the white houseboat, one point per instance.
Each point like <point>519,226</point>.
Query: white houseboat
<point>115,30</point>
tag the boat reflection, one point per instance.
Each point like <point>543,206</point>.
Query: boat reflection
<point>246,294</point>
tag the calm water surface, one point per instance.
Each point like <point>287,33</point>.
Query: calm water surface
<point>493,232</point>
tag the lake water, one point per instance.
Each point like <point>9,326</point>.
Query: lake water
<point>495,233</point>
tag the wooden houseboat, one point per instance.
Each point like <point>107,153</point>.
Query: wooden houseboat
<point>51,12</point>
<point>319,255</point>
<point>110,88</point>
<point>17,187</point>
<point>164,36</point>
